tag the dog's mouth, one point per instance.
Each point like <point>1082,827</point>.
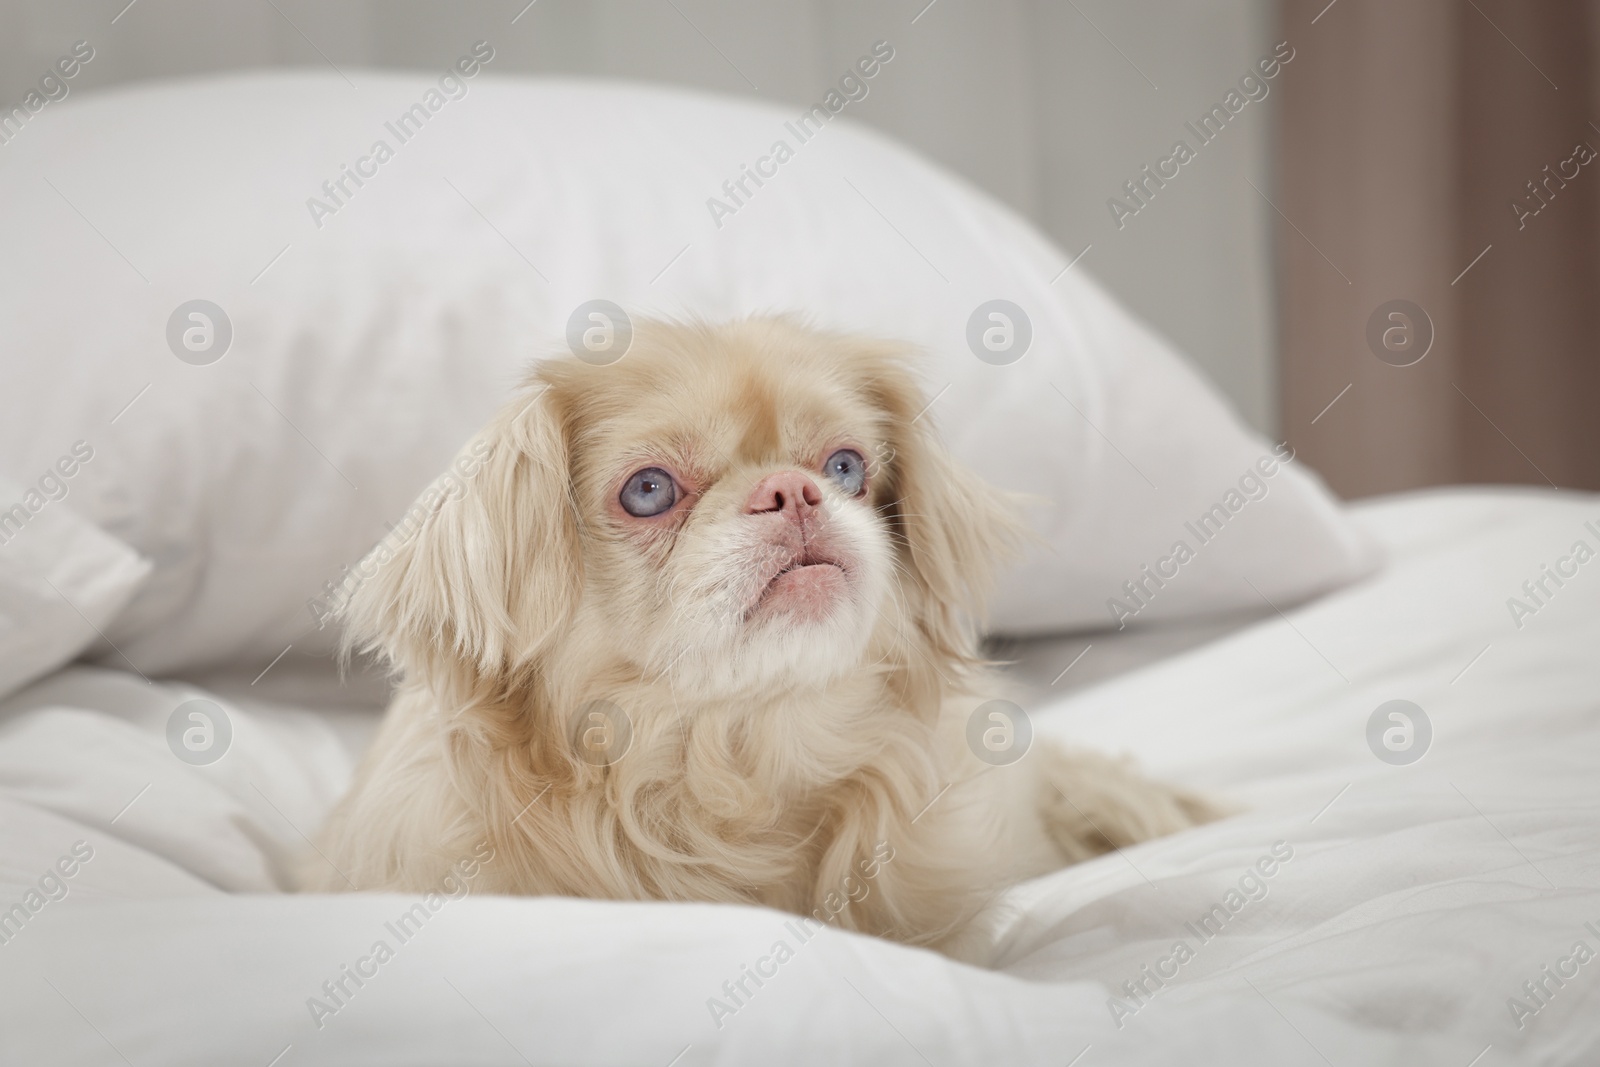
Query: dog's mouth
<point>805,559</point>
<point>807,586</point>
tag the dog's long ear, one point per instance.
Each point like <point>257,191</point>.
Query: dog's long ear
<point>954,529</point>
<point>485,567</point>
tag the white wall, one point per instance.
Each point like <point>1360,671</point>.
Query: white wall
<point>1049,104</point>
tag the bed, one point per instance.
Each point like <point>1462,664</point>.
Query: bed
<point>1400,698</point>
<point>1354,910</point>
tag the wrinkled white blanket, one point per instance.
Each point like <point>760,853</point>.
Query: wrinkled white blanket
<point>1355,912</point>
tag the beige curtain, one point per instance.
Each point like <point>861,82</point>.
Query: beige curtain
<point>1441,152</point>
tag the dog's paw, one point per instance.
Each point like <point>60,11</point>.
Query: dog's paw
<point>1092,804</point>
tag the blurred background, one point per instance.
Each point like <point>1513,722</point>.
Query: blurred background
<point>1434,153</point>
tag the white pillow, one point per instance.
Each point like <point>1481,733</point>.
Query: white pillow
<point>62,579</point>
<point>369,341</point>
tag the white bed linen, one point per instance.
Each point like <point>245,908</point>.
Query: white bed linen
<point>1417,901</point>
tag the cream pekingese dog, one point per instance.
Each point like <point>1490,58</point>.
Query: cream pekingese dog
<point>699,629</point>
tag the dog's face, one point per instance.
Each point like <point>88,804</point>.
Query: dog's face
<point>732,508</point>
<point>731,496</point>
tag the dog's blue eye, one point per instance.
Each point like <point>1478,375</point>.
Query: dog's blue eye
<point>649,492</point>
<point>848,470</point>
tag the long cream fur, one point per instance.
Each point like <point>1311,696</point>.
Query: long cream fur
<point>818,764</point>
